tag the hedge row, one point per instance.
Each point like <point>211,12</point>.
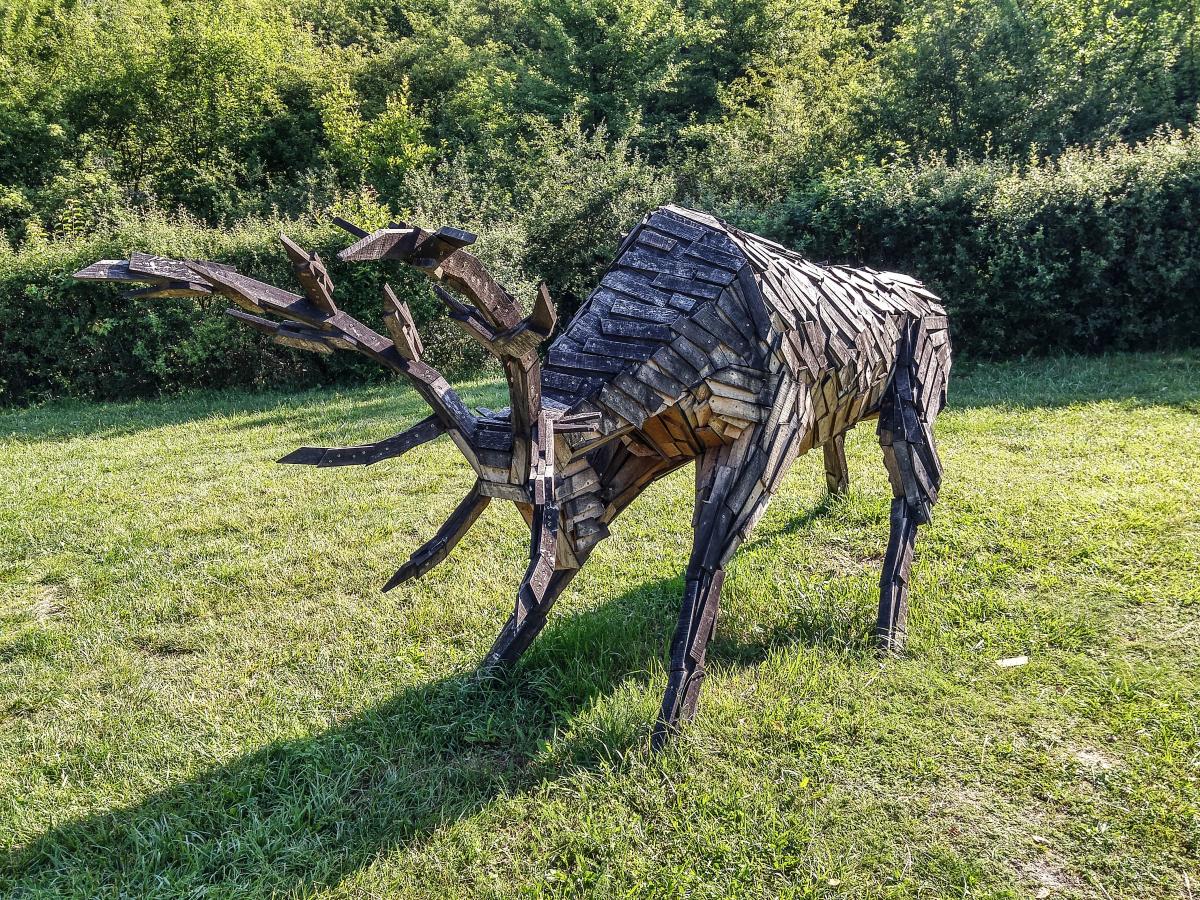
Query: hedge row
<point>67,338</point>
<point>1096,251</point>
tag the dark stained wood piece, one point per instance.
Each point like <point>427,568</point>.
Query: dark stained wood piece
<point>368,454</point>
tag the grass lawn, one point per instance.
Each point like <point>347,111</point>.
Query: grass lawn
<point>203,692</point>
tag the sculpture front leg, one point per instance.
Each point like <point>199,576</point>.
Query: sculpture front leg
<point>523,626</point>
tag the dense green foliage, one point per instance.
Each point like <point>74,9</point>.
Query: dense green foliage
<point>69,337</point>
<point>976,140</point>
<point>1097,250</point>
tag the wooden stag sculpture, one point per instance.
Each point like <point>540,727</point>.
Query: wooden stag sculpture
<point>701,342</point>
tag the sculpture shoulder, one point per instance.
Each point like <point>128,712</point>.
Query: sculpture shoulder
<point>799,289</point>
<point>668,267</point>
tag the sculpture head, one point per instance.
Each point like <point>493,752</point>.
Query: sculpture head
<point>504,447</point>
<point>513,455</point>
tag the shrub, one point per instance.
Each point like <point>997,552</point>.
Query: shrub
<point>63,337</point>
<point>1095,251</point>
<point>573,195</point>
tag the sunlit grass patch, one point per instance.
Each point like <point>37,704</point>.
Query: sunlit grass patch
<point>202,690</point>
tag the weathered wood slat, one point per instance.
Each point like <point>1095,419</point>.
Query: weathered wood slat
<point>646,331</point>
<point>638,288</point>
<point>584,362</point>
<point>644,312</point>
<point>634,350</point>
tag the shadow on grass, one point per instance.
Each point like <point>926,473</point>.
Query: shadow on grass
<point>321,411</point>
<point>1137,379</point>
<point>823,509</point>
<point>304,814</point>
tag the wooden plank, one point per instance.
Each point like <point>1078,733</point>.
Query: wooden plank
<point>634,286</point>
<point>717,257</point>
<point>752,296</point>
<point>689,286</point>
<point>623,405</point>
<point>736,314</point>
<point>651,238</point>
<point>583,362</point>
<point>675,226</point>
<point>624,350</point>
<point>159,268</point>
<point>670,361</point>
<point>657,264</point>
<point>740,376</point>
<point>668,387</point>
<point>646,396</point>
<point>656,433</point>
<point>701,337</point>
<point>559,381</point>
<point>644,312</point>
<point>683,303</point>
<point>646,331</point>
<point>710,320</point>
<point>368,454</point>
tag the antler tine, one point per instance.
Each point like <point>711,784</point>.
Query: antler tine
<point>438,548</point>
<point>368,454</point>
<point>493,317</point>
<point>312,275</point>
<point>516,348</point>
<point>441,257</point>
<point>400,325</point>
<point>166,277</point>
<point>465,316</point>
<point>517,351</point>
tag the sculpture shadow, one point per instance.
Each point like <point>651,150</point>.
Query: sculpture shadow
<point>300,815</point>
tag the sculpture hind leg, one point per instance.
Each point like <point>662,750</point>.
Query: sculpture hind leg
<point>891,629</point>
<point>906,418</point>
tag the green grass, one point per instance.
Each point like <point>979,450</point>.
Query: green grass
<point>203,693</point>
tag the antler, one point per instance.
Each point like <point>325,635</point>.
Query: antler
<point>312,322</point>
<point>368,454</point>
<point>493,318</point>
